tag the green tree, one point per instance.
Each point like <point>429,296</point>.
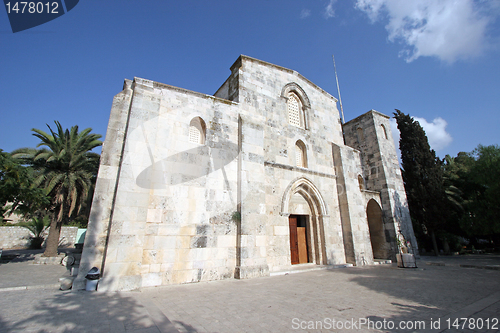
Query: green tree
<point>456,172</point>
<point>423,177</point>
<point>16,187</point>
<point>67,168</point>
<point>476,176</point>
<point>482,187</point>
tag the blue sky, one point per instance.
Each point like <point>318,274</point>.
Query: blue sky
<point>437,60</point>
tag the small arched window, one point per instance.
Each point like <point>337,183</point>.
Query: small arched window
<point>361,137</point>
<point>361,182</point>
<point>300,154</point>
<point>295,111</point>
<point>384,131</point>
<point>197,131</point>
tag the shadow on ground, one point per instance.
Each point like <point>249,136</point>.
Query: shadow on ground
<point>426,293</point>
<point>26,255</point>
<point>374,293</point>
<point>49,311</point>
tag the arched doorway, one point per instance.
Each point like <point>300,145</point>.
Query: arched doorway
<point>305,208</point>
<point>376,227</point>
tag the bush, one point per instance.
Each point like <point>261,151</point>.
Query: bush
<point>37,227</point>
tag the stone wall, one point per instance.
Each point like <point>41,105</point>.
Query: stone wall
<point>171,220</point>
<point>18,237</point>
<point>371,134</point>
<point>268,200</point>
<point>167,210</point>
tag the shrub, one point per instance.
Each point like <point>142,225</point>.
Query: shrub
<point>37,227</point>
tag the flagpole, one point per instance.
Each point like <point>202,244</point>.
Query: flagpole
<point>338,89</point>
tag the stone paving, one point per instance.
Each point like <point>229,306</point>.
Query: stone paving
<point>21,275</point>
<point>287,303</point>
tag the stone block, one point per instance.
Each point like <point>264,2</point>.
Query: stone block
<point>248,272</point>
<point>225,241</point>
<point>151,279</point>
<point>121,283</point>
<point>281,230</point>
<point>154,215</point>
<point>261,241</point>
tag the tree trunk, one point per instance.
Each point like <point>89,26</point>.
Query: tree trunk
<point>446,246</point>
<point>434,243</point>
<point>53,238</point>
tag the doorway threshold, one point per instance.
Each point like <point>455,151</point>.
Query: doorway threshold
<point>301,268</point>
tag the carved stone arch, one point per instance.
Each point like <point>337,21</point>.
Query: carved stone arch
<point>315,220</point>
<point>309,191</point>
<point>376,199</point>
<point>295,89</point>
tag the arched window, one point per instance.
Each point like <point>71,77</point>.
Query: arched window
<point>295,112</point>
<point>384,131</point>
<point>361,182</point>
<point>361,137</point>
<point>197,131</point>
<point>300,154</point>
<point>297,105</point>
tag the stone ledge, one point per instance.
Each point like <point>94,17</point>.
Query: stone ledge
<point>295,168</point>
<point>45,286</point>
<point>41,260</point>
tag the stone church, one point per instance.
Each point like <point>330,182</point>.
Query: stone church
<point>259,179</point>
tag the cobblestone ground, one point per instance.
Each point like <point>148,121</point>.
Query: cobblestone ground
<point>310,301</point>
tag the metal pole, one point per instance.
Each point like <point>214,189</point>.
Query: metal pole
<point>338,89</point>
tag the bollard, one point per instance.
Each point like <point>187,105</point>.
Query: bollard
<point>92,279</point>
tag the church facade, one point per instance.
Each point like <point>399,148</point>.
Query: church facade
<point>259,179</point>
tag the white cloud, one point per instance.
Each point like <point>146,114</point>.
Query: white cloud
<point>329,10</point>
<point>305,13</point>
<point>395,133</point>
<point>435,131</point>
<point>446,29</point>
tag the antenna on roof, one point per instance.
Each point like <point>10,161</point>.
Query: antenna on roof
<point>338,89</point>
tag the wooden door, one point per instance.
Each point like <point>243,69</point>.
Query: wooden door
<point>302,245</point>
<point>294,246</point>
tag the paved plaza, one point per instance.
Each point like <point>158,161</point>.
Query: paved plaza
<point>331,300</point>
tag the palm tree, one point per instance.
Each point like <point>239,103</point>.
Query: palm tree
<point>66,170</point>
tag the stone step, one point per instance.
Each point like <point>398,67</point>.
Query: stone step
<point>300,268</point>
<point>382,262</point>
